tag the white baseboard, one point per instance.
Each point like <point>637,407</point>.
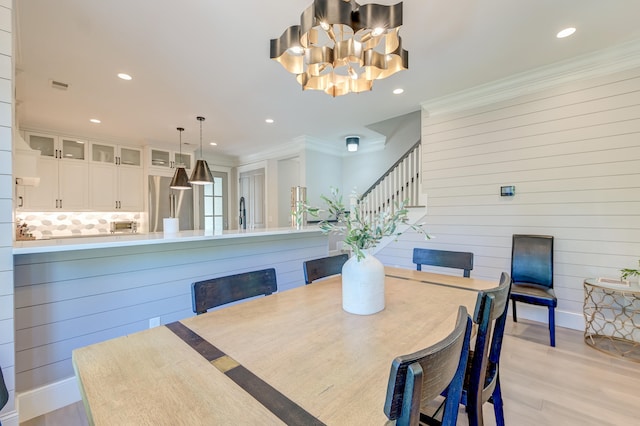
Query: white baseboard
<point>10,419</point>
<point>572,320</point>
<point>48,398</point>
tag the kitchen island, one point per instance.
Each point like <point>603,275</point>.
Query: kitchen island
<point>86,242</point>
<point>72,292</point>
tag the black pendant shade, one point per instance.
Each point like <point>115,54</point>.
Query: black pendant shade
<point>201,174</point>
<point>180,179</point>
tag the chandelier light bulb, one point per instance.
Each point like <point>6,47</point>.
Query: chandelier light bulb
<point>296,50</point>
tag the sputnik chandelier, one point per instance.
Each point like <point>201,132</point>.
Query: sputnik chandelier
<point>341,47</point>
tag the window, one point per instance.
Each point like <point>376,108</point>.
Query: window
<point>214,202</point>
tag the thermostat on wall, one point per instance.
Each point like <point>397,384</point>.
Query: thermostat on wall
<point>507,191</point>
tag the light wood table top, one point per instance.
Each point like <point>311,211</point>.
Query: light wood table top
<point>274,360</point>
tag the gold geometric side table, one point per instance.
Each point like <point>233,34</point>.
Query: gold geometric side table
<point>612,317</point>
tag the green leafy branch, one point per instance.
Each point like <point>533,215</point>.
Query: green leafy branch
<point>363,231</point>
<point>628,273</point>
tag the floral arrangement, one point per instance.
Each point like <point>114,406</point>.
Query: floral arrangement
<point>362,231</point>
<point>627,273</point>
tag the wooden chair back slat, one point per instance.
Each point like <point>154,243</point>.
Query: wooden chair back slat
<point>219,291</point>
<point>323,267</point>
<point>443,258</point>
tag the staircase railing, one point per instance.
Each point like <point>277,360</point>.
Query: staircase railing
<point>401,182</point>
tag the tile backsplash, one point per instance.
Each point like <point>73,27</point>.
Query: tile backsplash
<point>67,224</point>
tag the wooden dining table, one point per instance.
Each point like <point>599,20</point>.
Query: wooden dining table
<point>293,357</point>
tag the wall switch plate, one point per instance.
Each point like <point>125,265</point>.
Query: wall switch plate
<point>154,322</point>
<point>507,191</point>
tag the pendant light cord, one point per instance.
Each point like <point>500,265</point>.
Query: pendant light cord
<point>180,129</point>
<point>200,119</point>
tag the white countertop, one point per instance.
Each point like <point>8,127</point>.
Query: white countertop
<point>126,240</point>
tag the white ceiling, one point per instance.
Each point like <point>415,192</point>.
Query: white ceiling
<point>211,58</point>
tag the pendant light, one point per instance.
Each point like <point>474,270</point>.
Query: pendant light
<point>180,179</point>
<point>201,174</point>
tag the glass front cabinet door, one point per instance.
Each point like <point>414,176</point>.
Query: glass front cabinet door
<point>58,147</point>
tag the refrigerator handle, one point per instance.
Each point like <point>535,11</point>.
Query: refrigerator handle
<point>172,205</point>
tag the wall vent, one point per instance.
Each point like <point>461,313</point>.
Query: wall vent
<point>58,85</point>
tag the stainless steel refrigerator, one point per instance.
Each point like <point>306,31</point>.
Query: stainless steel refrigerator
<point>161,200</point>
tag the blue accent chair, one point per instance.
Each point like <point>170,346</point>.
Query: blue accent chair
<point>425,374</point>
<point>532,274</point>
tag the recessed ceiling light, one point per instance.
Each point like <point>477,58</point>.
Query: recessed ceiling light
<point>566,32</point>
<point>95,120</point>
<point>213,144</point>
<point>124,76</point>
<point>398,91</point>
<point>269,121</point>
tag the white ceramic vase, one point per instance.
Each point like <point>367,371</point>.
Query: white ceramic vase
<point>363,285</point>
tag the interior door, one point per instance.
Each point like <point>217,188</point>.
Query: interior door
<point>252,188</point>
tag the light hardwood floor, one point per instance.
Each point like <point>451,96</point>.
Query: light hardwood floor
<point>571,384</point>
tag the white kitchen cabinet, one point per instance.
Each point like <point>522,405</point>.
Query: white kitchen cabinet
<point>116,178</point>
<point>58,147</point>
<point>115,154</point>
<point>164,162</point>
<point>131,189</point>
<point>63,172</point>
<point>63,186</point>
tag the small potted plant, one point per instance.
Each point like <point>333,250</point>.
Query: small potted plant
<point>628,273</point>
<point>363,274</point>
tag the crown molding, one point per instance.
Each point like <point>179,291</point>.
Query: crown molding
<point>288,149</point>
<point>317,145</point>
<point>603,62</point>
<point>304,142</point>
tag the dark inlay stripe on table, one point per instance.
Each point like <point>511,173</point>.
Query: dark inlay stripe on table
<point>285,409</point>
<point>431,282</point>
<point>204,348</point>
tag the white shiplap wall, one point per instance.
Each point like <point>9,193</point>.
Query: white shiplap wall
<point>66,300</point>
<point>573,154</point>
<point>7,357</point>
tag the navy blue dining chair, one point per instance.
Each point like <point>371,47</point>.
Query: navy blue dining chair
<point>532,274</point>
<point>4,392</point>
<point>423,375</point>
<point>482,381</point>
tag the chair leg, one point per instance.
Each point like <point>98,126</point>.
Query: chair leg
<point>552,325</point>
<point>474,414</point>
<point>498,407</point>
<point>513,311</point>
